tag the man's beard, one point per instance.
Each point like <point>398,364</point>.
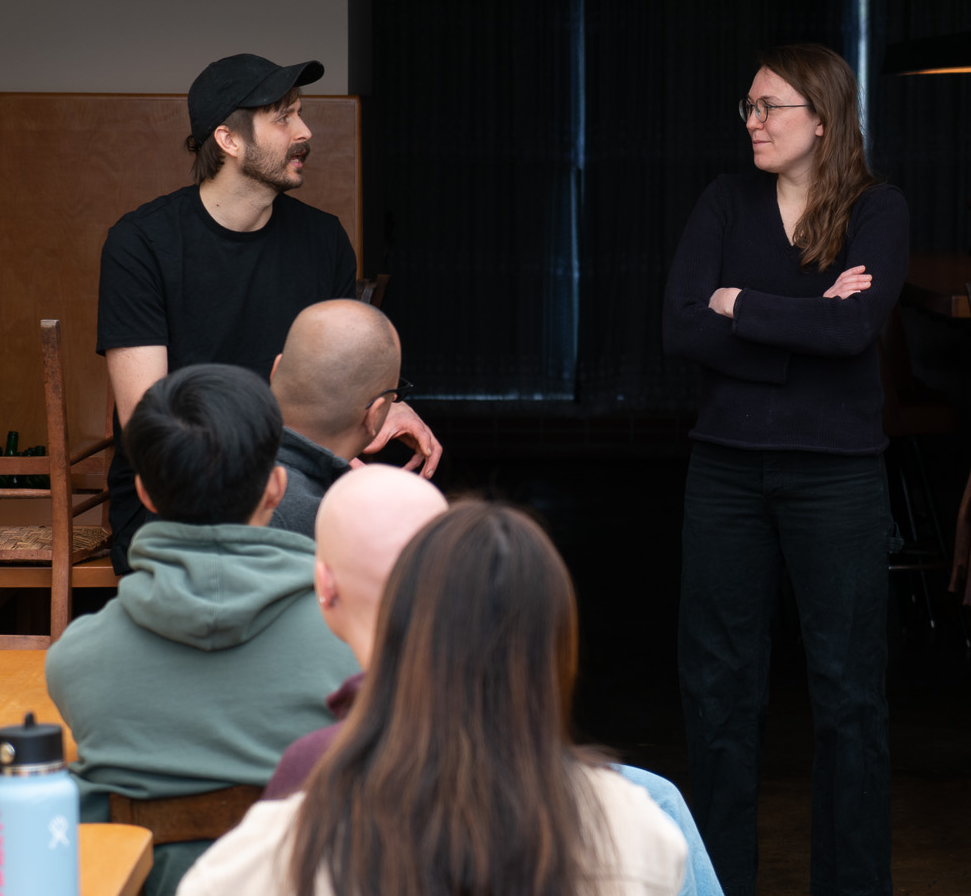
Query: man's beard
<point>260,166</point>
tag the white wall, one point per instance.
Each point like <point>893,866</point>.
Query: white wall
<point>159,46</point>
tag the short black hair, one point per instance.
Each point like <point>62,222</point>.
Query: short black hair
<point>204,441</point>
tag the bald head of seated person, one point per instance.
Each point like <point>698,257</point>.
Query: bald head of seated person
<point>335,381</point>
<point>364,522</point>
<point>213,658</point>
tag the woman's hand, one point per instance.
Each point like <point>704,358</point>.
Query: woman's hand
<point>851,281</point>
<point>722,300</point>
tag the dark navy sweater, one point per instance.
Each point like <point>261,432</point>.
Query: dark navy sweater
<point>792,370</point>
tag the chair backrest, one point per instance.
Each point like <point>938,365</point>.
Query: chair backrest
<point>58,447</point>
<point>201,816</point>
<point>58,547</point>
<point>372,291</point>
<point>63,468</point>
<point>55,464</point>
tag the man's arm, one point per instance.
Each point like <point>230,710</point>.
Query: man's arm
<point>405,425</point>
<point>132,371</point>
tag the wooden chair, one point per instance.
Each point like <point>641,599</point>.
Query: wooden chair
<point>372,291</point>
<point>201,816</point>
<point>62,555</point>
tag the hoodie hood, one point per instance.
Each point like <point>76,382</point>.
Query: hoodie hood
<point>214,587</point>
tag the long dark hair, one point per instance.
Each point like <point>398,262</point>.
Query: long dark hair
<point>455,773</point>
<point>839,168</point>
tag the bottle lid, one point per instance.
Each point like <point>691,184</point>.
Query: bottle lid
<point>30,744</point>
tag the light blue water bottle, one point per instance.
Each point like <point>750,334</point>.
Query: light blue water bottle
<point>38,813</point>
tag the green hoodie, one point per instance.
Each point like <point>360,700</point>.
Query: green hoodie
<point>212,659</point>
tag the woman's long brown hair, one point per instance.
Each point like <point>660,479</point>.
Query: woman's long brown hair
<point>454,773</point>
<point>839,171</point>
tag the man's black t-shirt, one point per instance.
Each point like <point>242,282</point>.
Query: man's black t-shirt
<point>172,276</point>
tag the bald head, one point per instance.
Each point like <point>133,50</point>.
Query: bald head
<point>365,520</point>
<point>337,357</point>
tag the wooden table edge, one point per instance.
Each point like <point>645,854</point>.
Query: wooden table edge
<point>112,872</point>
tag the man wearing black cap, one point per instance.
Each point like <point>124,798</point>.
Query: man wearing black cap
<point>219,270</point>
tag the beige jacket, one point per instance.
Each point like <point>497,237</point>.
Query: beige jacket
<point>252,859</point>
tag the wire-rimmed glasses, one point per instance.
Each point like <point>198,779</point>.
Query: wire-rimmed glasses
<point>400,392</point>
<point>762,108</point>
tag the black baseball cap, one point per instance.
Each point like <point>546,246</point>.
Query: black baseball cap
<point>243,81</point>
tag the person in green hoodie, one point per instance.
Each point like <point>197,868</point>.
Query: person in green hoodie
<point>213,657</point>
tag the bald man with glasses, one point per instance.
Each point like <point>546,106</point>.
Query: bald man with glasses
<point>335,381</point>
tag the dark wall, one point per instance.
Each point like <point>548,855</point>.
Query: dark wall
<point>920,125</point>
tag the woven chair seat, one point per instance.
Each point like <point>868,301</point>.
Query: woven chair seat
<point>34,559</point>
<point>40,538</point>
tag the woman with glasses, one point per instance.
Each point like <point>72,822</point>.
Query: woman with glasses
<point>779,288</point>
<point>454,773</point>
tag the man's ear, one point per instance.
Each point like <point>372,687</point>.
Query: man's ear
<point>276,487</point>
<point>273,491</point>
<point>143,495</point>
<point>324,584</point>
<point>375,416</point>
<point>276,363</point>
<point>227,141</point>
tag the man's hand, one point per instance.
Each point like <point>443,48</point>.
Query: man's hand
<point>405,425</point>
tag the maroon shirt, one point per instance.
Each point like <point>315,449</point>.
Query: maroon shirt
<point>302,755</point>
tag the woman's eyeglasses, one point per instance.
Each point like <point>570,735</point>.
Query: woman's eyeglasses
<point>762,108</point>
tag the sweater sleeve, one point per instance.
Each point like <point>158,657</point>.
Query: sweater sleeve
<point>691,329</point>
<point>877,237</point>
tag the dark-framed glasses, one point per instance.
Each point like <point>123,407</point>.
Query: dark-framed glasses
<point>400,392</point>
<point>762,108</point>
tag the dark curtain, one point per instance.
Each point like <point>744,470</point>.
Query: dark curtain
<point>663,84</point>
<point>495,292</point>
<point>476,150</point>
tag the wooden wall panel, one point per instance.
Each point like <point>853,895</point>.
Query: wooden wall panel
<point>70,166</point>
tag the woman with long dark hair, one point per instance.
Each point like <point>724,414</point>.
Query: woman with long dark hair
<point>454,774</point>
<point>779,288</point>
